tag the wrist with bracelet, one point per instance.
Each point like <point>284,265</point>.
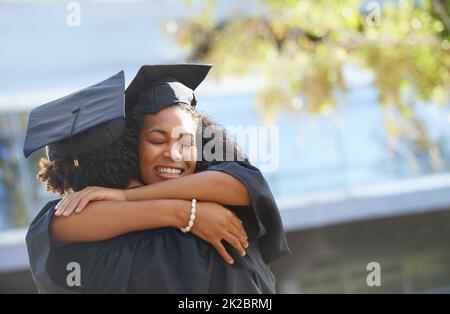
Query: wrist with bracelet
<point>191,217</point>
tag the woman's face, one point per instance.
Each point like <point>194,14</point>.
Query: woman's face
<point>167,148</point>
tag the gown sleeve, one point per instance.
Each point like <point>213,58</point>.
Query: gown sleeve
<point>269,227</point>
<point>48,261</point>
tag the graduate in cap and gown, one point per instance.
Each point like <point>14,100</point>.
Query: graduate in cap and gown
<point>166,258</point>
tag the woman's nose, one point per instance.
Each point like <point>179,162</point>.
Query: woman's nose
<point>173,152</point>
<point>176,155</point>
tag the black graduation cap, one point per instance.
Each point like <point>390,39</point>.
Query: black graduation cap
<point>80,122</point>
<point>159,86</point>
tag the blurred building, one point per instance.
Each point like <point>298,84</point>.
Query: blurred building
<point>345,199</point>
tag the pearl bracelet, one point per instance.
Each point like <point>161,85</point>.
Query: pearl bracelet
<point>191,218</point>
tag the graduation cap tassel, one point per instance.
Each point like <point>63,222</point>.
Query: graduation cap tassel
<point>78,170</point>
<point>78,178</point>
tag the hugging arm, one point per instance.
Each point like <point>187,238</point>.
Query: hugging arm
<point>108,219</point>
<point>208,186</point>
<point>211,186</point>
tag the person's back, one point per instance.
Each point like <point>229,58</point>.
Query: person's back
<point>86,144</point>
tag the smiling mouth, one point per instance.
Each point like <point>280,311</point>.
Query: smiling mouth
<point>169,172</point>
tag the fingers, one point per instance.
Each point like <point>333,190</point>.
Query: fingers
<point>240,233</point>
<point>60,207</point>
<point>84,201</point>
<point>72,202</point>
<point>228,228</point>
<point>71,205</point>
<point>234,241</point>
<point>221,249</point>
<point>77,201</point>
<point>62,202</point>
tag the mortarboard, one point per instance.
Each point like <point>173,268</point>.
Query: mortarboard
<point>159,86</point>
<point>80,122</point>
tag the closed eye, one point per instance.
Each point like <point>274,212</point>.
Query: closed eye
<point>157,142</point>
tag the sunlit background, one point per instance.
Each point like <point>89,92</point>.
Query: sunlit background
<point>358,89</point>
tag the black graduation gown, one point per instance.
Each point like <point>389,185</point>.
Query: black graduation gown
<point>166,260</point>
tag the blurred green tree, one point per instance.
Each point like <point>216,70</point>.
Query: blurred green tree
<point>301,48</point>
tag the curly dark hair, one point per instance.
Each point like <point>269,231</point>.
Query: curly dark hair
<point>112,166</point>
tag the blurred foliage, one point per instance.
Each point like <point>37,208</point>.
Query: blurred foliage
<point>10,199</point>
<point>301,48</point>
<point>14,191</point>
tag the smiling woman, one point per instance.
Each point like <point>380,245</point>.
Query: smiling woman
<point>164,155</point>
